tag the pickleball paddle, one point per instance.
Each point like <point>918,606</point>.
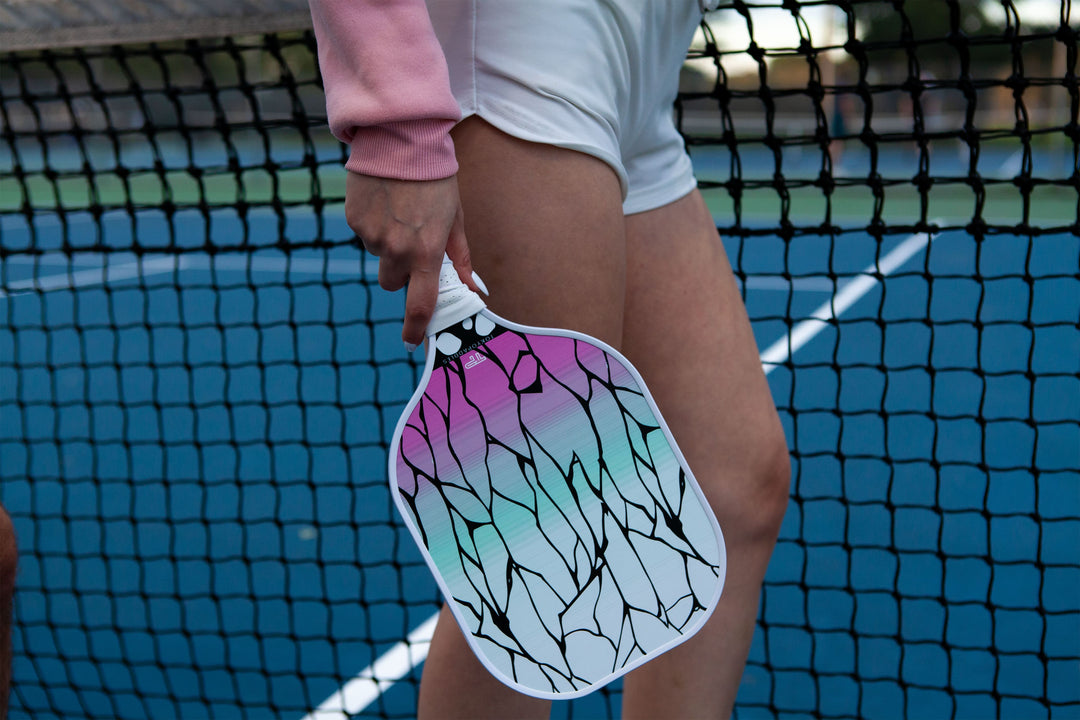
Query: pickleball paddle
<point>550,501</point>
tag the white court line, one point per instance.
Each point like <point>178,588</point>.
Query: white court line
<point>313,266</point>
<point>104,273</point>
<point>782,350</point>
<point>380,676</point>
<point>95,276</point>
<point>399,661</point>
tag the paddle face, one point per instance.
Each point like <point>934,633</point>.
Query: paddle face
<point>552,506</point>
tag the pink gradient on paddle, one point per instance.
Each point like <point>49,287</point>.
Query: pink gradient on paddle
<point>457,398</point>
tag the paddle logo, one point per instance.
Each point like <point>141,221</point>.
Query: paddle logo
<point>472,360</point>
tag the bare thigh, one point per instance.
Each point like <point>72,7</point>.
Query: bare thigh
<point>545,232</point>
<point>687,331</point>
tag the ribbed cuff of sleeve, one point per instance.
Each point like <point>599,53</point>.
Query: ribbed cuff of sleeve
<point>404,150</point>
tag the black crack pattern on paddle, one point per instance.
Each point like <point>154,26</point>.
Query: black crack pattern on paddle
<point>553,592</point>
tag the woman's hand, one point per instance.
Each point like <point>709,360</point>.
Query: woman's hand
<point>409,225</point>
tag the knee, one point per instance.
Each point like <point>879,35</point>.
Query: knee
<point>770,479</point>
<point>8,552</point>
<point>754,497</point>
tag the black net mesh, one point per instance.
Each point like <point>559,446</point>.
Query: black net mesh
<point>199,374</point>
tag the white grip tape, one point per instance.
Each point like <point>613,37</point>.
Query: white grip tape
<point>455,302</point>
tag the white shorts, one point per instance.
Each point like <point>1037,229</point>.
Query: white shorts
<point>597,76</point>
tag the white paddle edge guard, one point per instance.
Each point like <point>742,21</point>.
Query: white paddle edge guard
<point>418,538</point>
<point>455,302</point>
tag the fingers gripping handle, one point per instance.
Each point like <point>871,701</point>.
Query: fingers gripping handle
<point>455,302</point>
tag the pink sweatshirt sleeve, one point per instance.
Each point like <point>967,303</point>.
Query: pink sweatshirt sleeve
<point>387,87</point>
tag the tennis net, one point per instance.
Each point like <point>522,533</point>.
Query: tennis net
<point>199,374</point>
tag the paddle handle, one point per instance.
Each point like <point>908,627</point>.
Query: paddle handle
<point>456,300</point>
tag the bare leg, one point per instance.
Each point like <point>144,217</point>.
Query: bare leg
<point>545,232</point>
<point>8,558</point>
<point>455,685</point>
<point>687,332</point>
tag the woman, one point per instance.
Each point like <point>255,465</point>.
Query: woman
<point>534,141</point>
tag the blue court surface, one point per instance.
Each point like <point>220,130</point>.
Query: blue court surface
<point>208,530</point>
